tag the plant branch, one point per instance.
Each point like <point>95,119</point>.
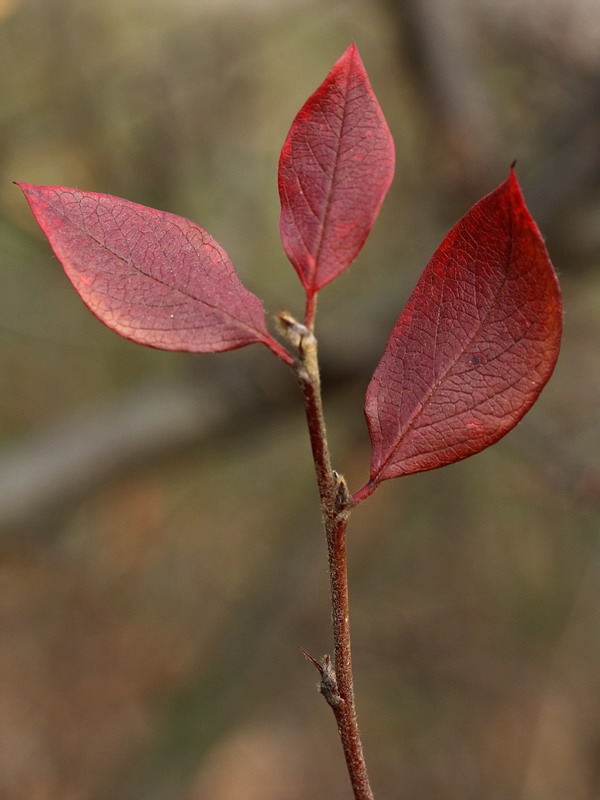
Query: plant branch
<point>308,374</point>
<point>345,709</point>
<point>336,683</point>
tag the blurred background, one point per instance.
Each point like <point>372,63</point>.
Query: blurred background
<point>160,550</point>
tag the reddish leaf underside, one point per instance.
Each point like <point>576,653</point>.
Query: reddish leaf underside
<point>474,346</point>
<point>336,166</point>
<point>153,277</point>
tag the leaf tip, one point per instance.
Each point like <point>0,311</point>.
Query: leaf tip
<point>351,56</point>
<point>513,186</point>
<point>31,191</point>
<point>24,187</point>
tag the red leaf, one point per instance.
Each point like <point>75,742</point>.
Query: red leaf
<point>473,348</point>
<point>153,277</point>
<point>336,165</point>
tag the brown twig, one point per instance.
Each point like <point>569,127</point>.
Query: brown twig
<point>336,683</point>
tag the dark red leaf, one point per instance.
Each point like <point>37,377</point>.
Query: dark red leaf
<point>336,165</point>
<point>473,348</point>
<point>153,277</point>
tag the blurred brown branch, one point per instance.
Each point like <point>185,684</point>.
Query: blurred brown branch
<point>54,468</point>
<point>438,48</point>
<point>48,472</point>
<point>435,42</point>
